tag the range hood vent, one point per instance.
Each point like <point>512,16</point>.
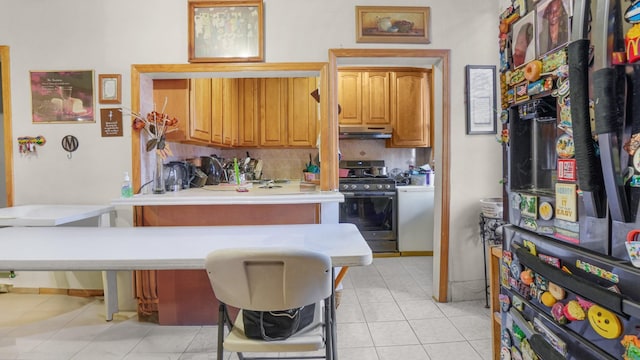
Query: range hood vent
<point>365,132</point>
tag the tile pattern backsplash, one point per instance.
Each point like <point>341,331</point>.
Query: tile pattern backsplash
<point>289,163</point>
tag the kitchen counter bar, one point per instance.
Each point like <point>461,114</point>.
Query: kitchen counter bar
<point>158,248</point>
<point>226,195</point>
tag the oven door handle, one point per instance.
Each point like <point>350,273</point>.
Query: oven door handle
<point>368,194</point>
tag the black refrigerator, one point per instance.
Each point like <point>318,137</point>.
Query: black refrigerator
<point>570,269</point>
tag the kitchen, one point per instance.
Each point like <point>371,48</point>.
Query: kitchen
<point>114,154</point>
<point>381,104</point>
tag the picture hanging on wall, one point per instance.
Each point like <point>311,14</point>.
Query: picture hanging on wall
<point>481,99</point>
<point>224,31</point>
<point>392,24</point>
<point>552,18</point>
<point>523,47</point>
<point>62,96</point>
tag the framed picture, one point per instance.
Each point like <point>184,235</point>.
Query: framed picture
<point>224,31</point>
<point>480,96</point>
<point>62,96</point>
<point>523,45</point>
<point>110,91</point>
<point>552,21</point>
<point>392,24</point>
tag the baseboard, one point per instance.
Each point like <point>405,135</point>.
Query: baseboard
<point>416,253</point>
<point>54,291</point>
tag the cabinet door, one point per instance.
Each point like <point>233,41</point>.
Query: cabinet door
<point>273,112</point>
<point>410,109</point>
<point>175,93</point>
<point>248,113</point>
<point>350,97</point>
<point>302,112</point>
<point>230,112</point>
<point>200,122</point>
<point>215,102</point>
<point>375,98</point>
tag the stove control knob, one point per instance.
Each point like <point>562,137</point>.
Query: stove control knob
<point>345,187</point>
<point>354,186</point>
<point>379,186</point>
<point>388,186</point>
<point>366,186</point>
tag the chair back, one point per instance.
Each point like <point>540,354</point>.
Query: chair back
<point>269,278</point>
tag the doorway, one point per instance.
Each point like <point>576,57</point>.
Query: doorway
<point>439,61</point>
<point>6,162</point>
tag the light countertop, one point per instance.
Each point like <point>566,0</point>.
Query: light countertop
<point>415,188</point>
<point>173,247</point>
<point>49,215</point>
<point>226,194</point>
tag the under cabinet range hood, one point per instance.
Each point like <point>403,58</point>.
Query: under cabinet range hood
<point>365,131</point>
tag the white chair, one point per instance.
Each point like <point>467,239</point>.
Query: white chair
<point>268,279</point>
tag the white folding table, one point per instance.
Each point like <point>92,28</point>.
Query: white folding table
<point>168,248</point>
<point>58,215</point>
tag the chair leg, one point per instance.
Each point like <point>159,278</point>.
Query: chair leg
<point>327,330</point>
<point>221,316</point>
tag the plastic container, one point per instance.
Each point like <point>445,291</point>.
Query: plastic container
<point>126,191</point>
<point>491,207</point>
<point>343,173</point>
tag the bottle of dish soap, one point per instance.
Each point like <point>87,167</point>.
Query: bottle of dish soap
<point>126,191</point>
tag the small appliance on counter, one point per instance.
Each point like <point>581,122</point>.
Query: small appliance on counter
<point>213,168</point>
<point>177,175</point>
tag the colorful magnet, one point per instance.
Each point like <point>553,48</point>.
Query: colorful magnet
<point>631,345</point>
<point>565,147</point>
<point>505,353</point>
<point>529,206</point>
<point>567,170</point>
<point>604,322</point>
<point>505,302</point>
<point>550,260</point>
<point>529,245</point>
<point>566,202</point>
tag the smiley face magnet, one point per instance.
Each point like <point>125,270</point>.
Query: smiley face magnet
<point>604,322</point>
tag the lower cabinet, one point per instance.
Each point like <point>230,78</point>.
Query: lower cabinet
<point>185,297</point>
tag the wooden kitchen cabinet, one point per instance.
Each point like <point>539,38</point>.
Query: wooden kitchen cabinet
<point>223,102</point>
<point>302,119</point>
<point>193,126</point>
<point>364,97</point>
<point>388,96</point>
<point>375,98</point>
<point>248,113</point>
<point>350,97</point>
<point>273,112</point>
<point>410,109</point>
<point>201,112</point>
<point>288,112</point>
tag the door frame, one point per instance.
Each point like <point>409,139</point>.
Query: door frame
<point>440,59</point>
<point>6,105</point>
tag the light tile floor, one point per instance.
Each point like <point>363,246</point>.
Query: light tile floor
<point>386,312</point>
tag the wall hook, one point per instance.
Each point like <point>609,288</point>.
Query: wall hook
<point>70,143</point>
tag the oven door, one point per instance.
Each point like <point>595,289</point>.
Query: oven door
<point>374,214</point>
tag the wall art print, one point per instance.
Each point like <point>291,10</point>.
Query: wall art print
<point>62,96</point>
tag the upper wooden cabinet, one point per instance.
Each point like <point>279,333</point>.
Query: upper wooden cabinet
<point>248,112</point>
<point>388,96</point>
<point>350,97</point>
<point>302,115</point>
<point>288,112</point>
<point>410,109</point>
<point>177,94</point>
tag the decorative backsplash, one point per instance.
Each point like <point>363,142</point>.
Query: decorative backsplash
<point>289,163</point>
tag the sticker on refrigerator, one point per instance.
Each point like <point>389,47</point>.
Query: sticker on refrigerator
<point>565,147</point>
<point>529,206</point>
<point>567,170</point>
<point>566,202</point>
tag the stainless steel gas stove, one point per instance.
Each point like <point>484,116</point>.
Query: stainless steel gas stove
<point>370,203</point>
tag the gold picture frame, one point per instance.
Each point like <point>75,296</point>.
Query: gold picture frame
<point>392,24</point>
<point>224,31</point>
<point>110,88</point>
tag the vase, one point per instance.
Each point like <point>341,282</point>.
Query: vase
<point>158,176</point>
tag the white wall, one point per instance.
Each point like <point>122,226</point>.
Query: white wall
<point>109,36</point>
